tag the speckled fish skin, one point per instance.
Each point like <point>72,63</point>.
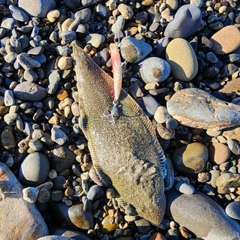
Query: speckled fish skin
<point>127,151</point>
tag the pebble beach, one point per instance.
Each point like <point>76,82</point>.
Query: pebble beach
<point>181,64</point>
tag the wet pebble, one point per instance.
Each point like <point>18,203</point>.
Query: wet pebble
<point>34,169</point>
<point>18,14</point>
<point>233,210</point>
<point>108,225</point>
<point>7,138</point>
<point>225,40</point>
<point>154,69</point>
<point>186,22</point>
<point>57,135</point>
<point>218,153</point>
<point>134,50</point>
<point>37,8</point>
<point>29,91</point>
<point>30,194</point>
<point>184,187</point>
<point>191,158</point>
<point>182,59</point>
<point>95,39</point>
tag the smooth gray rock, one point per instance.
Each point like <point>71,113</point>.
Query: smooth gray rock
<point>27,62</point>
<point>54,237</point>
<point>154,69</point>
<point>34,169</point>
<point>18,14</point>
<point>196,108</point>
<point>185,23</point>
<point>134,50</point>
<point>8,23</point>
<point>201,215</point>
<point>37,8</point>
<point>29,91</point>
<point>233,210</point>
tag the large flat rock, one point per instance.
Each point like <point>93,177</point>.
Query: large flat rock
<point>196,108</point>
<point>19,219</point>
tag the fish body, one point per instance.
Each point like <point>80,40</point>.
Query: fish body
<point>127,151</point>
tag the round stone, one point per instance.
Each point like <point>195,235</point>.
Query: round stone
<point>34,169</point>
<point>218,153</point>
<point>68,36</point>
<point>226,40</point>
<point>186,22</point>
<point>53,15</point>
<point>126,11</point>
<point>191,158</point>
<point>95,39</point>
<point>233,210</point>
<point>184,187</point>
<point>37,8</point>
<point>161,115</point>
<point>182,59</point>
<point>65,63</point>
<point>143,226</point>
<point>134,50</point>
<point>58,136</point>
<point>154,69</point>
<point>95,192</point>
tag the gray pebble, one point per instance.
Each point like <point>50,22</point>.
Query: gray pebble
<point>154,69</point>
<point>35,51</point>
<point>86,3</point>
<point>95,192</point>
<point>84,15</point>
<point>57,135</point>
<point>10,118</point>
<point>134,50</point>
<point>30,75</point>
<point>68,36</point>
<point>185,23</point>
<point>95,39</point>
<point>63,51</point>
<point>10,57</point>
<point>27,62</point>
<point>29,91</point>
<point>18,14</point>
<point>8,23</point>
<point>54,237</point>
<point>118,26</point>
<point>37,8</point>
<point>34,169</point>
<point>161,115</point>
<point>40,58</point>
<point>102,10</point>
<point>82,30</point>
<point>171,124</point>
<point>233,210</point>
<point>192,211</point>
<point>148,104</point>
<point>73,4</point>
<point>233,146</point>
<point>30,194</point>
<point>143,226</point>
<point>184,187</point>
<point>54,80</point>
<point>43,195</point>
<point>24,41</point>
<point>211,57</point>
<point>9,98</point>
<point>35,145</point>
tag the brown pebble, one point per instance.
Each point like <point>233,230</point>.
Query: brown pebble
<point>184,232</point>
<point>108,227</point>
<point>69,192</point>
<point>218,153</point>
<point>226,40</point>
<point>62,95</point>
<point>8,140</point>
